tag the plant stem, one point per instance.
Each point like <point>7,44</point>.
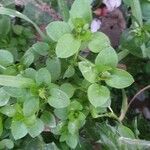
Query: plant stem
<point>132,100</point>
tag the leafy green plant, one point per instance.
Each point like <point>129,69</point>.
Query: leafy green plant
<point>54,88</point>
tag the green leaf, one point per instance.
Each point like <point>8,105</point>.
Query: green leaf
<point>75,105</point>
<point>28,58</point>
<point>63,9</point>
<point>30,73</point>
<point>48,119</point>
<point>6,143</point>
<point>68,89</point>
<point>125,131</point>
<point>8,110</point>
<point>81,119</point>
<point>88,71</point>
<point>43,76</point>
<point>67,46</point>
<point>61,113</point>
<point>69,72</point>
<point>81,9</point>
<point>96,111</point>
<point>107,57</point>
<point>72,140</point>
<point>32,143</point>
<point>18,129</point>
<point>15,92</point>
<point>73,126</point>
<point>58,98</point>
<point>35,129</point>
<point>41,48</point>
<point>4,97</point>
<point>17,29</point>
<point>99,42</point>
<point>1,126</point>
<point>16,81</point>
<point>6,58</point>
<point>54,67</point>
<point>120,79</point>
<point>5,25</point>
<point>136,11</point>
<point>51,146</point>
<point>57,29</point>
<point>145,5</point>
<point>98,95</point>
<point>30,120</point>
<point>30,106</point>
<point>11,12</point>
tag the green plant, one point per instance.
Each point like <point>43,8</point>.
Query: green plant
<point>54,88</point>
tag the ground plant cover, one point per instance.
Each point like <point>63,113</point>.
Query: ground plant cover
<point>75,74</point>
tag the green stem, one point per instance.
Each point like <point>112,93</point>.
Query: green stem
<point>2,67</point>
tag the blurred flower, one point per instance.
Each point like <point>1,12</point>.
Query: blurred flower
<point>101,11</point>
<point>95,25</point>
<point>112,4</point>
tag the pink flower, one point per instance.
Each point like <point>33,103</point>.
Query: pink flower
<point>112,4</point>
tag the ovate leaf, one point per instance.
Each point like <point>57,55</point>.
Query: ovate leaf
<point>41,48</point>
<point>15,92</point>
<point>43,76</point>
<point>18,129</point>
<point>88,71</point>
<point>30,73</point>
<point>5,25</point>
<point>58,98</point>
<point>30,106</point>
<point>54,67</point>
<point>6,143</point>
<point>73,126</point>
<point>125,131</point>
<point>81,9</point>
<point>69,72</point>
<point>67,46</point>
<point>120,79</point>
<point>28,58</point>
<point>61,113</point>
<point>98,95</point>
<point>51,146</point>
<point>4,97</point>
<point>17,29</point>
<point>72,140</point>
<point>48,119</point>
<point>15,81</point>
<point>36,128</point>
<point>8,110</point>
<point>99,42</point>
<point>68,89</point>
<point>6,58</point>
<point>57,29</point>
<point>63,9</point>
<point>107,57</point>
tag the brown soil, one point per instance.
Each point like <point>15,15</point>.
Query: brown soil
<point>112,25</point>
